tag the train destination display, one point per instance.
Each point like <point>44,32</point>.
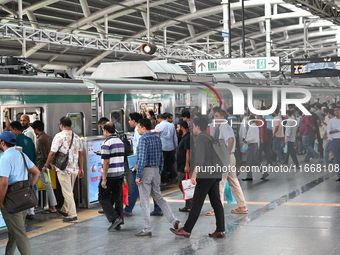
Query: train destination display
<point>315,67</point>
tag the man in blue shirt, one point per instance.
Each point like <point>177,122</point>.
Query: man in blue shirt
<point>13,170</point>
<point>168,136</point>
<point>149,168</point>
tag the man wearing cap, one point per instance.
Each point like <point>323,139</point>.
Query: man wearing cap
<point>13,170</point>
<point>27,130</point>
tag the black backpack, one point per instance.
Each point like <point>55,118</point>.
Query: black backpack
<point>127,144</point>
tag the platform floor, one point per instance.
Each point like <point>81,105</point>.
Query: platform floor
<point>290,213</point>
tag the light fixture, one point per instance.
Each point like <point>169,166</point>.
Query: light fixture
<point>148,48</point>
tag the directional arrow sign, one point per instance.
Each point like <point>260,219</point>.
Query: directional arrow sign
<point>201,65</point>
<point>238,65</point>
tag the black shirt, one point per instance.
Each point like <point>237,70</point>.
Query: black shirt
<point>183,145</point>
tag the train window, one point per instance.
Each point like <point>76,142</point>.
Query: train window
<point>117,117</point>
<point>77,123</point>
<point>14,113</point>
<point>144,107</point>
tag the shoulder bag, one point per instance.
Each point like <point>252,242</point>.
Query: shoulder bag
<point>61,160</point>
<point>20,195</point>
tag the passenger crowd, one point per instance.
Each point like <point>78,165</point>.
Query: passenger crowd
<point>166,152</point>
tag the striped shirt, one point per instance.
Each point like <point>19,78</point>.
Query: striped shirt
<point>113,149</point>
<point>149,153</point>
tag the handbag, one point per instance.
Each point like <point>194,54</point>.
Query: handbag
<point>61,160</point>
<point>20,195</point>
<point>188,188</point>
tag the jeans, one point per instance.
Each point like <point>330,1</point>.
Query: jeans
<point>134,194</point>
<point>328,148</point>
<point>277,148</point>
<point>336,151</point>
<point>265,148</point>
<point>307,142</point>
<point>291,152</point>
<point>300,146</point>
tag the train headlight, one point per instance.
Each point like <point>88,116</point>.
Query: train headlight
<point>148,48</point>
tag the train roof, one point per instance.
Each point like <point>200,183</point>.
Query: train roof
<point>37,84</point>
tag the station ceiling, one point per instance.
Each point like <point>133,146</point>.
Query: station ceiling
<point>192,26</point>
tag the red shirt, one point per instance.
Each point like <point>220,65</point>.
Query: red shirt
<point>305,129</point>
<point>263,130</point>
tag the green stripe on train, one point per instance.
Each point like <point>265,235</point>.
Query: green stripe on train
<point>131,97</point>
<point>44,99</point>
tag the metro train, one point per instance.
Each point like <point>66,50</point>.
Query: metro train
<point>85,100</point>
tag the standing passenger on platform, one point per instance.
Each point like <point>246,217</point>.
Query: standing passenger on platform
<point>102,121</point>
<point>186,117</point>
<point>183,159</point>
<point>278,136</point>
<point>264,144</point>
<point>205,184</point>
<point>253,140</point>
<point>308,135</point>
<point>28,147</point>
<point>27,130</point>
<point>13,170</point>
<point>61,142</point>
<point>328,146</point>
<point>168,136</point>
<point>290,138</point>
<point>43,147</point>
<point>110,185</point>
<point>149,167</point>
<point>333,129</point>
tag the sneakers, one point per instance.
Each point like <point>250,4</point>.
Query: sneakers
<point>155,213</point>
<point>143,234</point>
<point>178,224</point>
<point>264,175</point>
<point>64,214</point>
<point>70,220</point>
<point>127,213</point>
<point>114,224</point>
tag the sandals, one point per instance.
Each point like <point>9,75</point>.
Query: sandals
<point>184,209</point>
<point>239,211</point>
<point>48,211</point>
<point>210,213</point>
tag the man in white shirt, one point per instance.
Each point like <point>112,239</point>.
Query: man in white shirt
<point>333,128</point>
<point>27,130</point>
<point>253,139</point>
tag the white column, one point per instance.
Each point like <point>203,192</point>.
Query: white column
<point>225,28</point>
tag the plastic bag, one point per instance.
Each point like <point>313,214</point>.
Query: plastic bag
<point>229,197</point>
<point>125,192</point>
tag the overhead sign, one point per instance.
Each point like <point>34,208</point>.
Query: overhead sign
<point>238,65</point>
<point>315,67</point>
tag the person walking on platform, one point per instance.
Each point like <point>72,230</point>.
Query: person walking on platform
<point>110,185</point>
<point>278,136</point>
<point>290,138</point>
<point>206,184</point>
<point>253,140</point>
<point>43,147</point>
<point>149,167</point>
<point>61,142</point>
<point>307,133</point>
<point>183,158</point>
<point>13,170</point>
<point>226,133</point>
<point>333,128</point>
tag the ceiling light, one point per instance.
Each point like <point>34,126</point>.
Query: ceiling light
<point>148,48</point>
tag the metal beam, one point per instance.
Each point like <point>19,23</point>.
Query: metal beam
<point>86,10</point>
<point>322,8</point>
